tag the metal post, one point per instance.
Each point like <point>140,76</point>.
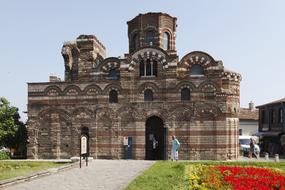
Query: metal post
<point>80,152</point>
<point>276,157</point>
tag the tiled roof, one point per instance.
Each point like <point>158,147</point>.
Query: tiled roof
<point>274,102</point>
<point>247,114</point>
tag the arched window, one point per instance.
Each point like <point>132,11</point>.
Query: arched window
<point>185,94</point>
<point>166,39</point>
<point>142,71</point>
<point>148,68</point>
<point>149,39</point>
<point>148,95</point>
<point>113,74</point>
<point>113,96</point>
<point>135,42</point>
<point>197,70</point>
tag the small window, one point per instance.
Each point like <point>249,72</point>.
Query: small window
<point>113,74</point>
<point>264,117</point>
<point>197,70</point>
<point>149,40</point>
<point>113,96</point>
<point>185,94</point>
<point>166,38</point>
<point>148,95</point>
<point>280,115</point>
<point>135,42</point>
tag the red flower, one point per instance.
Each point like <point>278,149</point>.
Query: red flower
<point>246,178</point>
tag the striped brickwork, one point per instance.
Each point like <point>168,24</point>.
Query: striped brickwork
<point>206,125</point>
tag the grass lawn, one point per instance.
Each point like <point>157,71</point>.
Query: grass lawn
<point>10,169</point>
<point>166,175</point>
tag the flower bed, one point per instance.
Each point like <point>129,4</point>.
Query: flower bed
<point>234,177</point>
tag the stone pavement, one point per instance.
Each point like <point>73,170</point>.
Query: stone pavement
<point>100,174</point>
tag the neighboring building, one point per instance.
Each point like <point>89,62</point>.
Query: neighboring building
<point>272,127</point>
<point>248,120</point>
<point>148,93</point>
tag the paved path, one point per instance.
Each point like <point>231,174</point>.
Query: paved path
<point>100,174</point>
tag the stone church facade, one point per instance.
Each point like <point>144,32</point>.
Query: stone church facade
<point>147,93</point>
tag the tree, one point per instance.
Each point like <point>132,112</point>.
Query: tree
<point>13,132</point>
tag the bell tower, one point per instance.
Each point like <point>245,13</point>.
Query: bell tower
<point>152,30</point>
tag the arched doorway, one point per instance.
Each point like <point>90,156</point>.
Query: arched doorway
<point>155,139</point>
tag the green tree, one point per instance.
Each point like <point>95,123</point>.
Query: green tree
<point>13,132</point>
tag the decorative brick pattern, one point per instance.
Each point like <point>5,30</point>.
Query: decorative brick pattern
<point>206,125</point>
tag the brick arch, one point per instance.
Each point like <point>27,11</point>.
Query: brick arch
<point>82,113</point>
<point>148,85</point>
<point>208,84</point>
<point>161,113</point>
<point>109,63</point>
<point>92,89</point>
<point>171,37</point>
<point>180,113</point>
<point>72,90</point>
<point>133,32</point>
<point>52,90</point>
<point>145,53</point>
<point>113,86</point>
<point>186,84</point>
<point>105,114</point>
<point>65,114</point>
<point>207,110</point>
<point>197,57</point>
<point>150,28</point>
<point>128,113</point>
<point>47,132</point>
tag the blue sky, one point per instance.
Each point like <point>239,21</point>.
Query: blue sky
<point>248,36</point>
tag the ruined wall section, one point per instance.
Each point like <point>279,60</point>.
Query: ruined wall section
<point>81,57</point>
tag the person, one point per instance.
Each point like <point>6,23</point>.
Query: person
<point>251,147</point>
<point>154,148</point>
<point>256,151</point>
<point>154,143</point>
<point>174,149</point>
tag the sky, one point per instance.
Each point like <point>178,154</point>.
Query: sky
<point>248,36</point>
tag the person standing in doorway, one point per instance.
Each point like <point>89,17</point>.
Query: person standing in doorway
<point>174,149</point>
<point>154,148</point>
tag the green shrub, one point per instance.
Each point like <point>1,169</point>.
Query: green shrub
<point>4,155</point>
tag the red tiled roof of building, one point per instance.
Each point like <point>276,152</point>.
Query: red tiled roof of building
<point>247,114</point>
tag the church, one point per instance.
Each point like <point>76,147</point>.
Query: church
<point>124,103</point>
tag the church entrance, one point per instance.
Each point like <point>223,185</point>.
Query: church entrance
<point>155,139</point>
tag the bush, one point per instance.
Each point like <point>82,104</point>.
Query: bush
<point>4,155</point>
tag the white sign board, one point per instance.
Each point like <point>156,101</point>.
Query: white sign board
<point>83,145</point>
<point>126,141</point>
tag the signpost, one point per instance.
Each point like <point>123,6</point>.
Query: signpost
<point>84,148</point>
